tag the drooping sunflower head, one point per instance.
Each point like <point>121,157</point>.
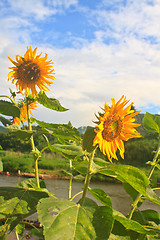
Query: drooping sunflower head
<point>31,71</point>
<point>115,125</point>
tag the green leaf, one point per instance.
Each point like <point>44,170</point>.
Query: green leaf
<point>126,173</point>
<point>71,152</point>
<point>104,226</point>
<point>151,215</point>
<point>20,228</point>
<point>87,143</point>
<point>152,196</point>
<point>150,124</point>
<point>5,121</point>
<point>64,131</point>
<point>9,109</point>
<point>31,184</point>
<point>50,103</point>
<point>146,216</point>
<point>131,224</point>
<point>103,222</point>
<point>16,204</point>
<point>19,133</point>
<point>63,219</point>
<point>101,196</point>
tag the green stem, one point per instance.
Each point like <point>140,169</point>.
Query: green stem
<point>33,148</point>
<point>70,182</point>
<point>135,203</point>
<point>76,195</point>
<point>8,97</point>
<point>17,235</point>
<point>88,178</point>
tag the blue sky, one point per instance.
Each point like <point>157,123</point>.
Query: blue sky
<point>101,49</point>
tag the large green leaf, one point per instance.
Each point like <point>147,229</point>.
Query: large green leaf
<point>151,123</point>
<point>126,173</point>
<point>17,203</point>
<point>9,109</point>
<point>50,103</point>
<point>63,219</point>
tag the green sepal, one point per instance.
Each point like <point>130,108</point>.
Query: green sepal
<point>9,109</point>
<point>87,143</point>
<point>50,103</point>
<point>151,123</point>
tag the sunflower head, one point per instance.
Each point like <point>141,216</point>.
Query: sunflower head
<point>115,125</point>
<point>31,71</point>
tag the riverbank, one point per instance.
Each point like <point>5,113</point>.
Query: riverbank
<point>55,175</point>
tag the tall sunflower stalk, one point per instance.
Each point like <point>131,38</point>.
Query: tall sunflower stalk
<point>29,72</point>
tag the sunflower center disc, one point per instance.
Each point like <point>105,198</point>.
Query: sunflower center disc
<point>29,72</point>
<point>112,128</point>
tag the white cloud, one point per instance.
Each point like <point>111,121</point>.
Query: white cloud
<point>35,8</point>
<point>92,72</point>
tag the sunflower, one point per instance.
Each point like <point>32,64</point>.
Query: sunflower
<point>31,71</point>
<point>115,125</point>
<point>23,115</point>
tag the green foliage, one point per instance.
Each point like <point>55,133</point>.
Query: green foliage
<point>50,103</point>
<point>9,109</point>
<point>64,131</point>
<point>151,123</point>
<point>139,151</point>
<point>15,204</point>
